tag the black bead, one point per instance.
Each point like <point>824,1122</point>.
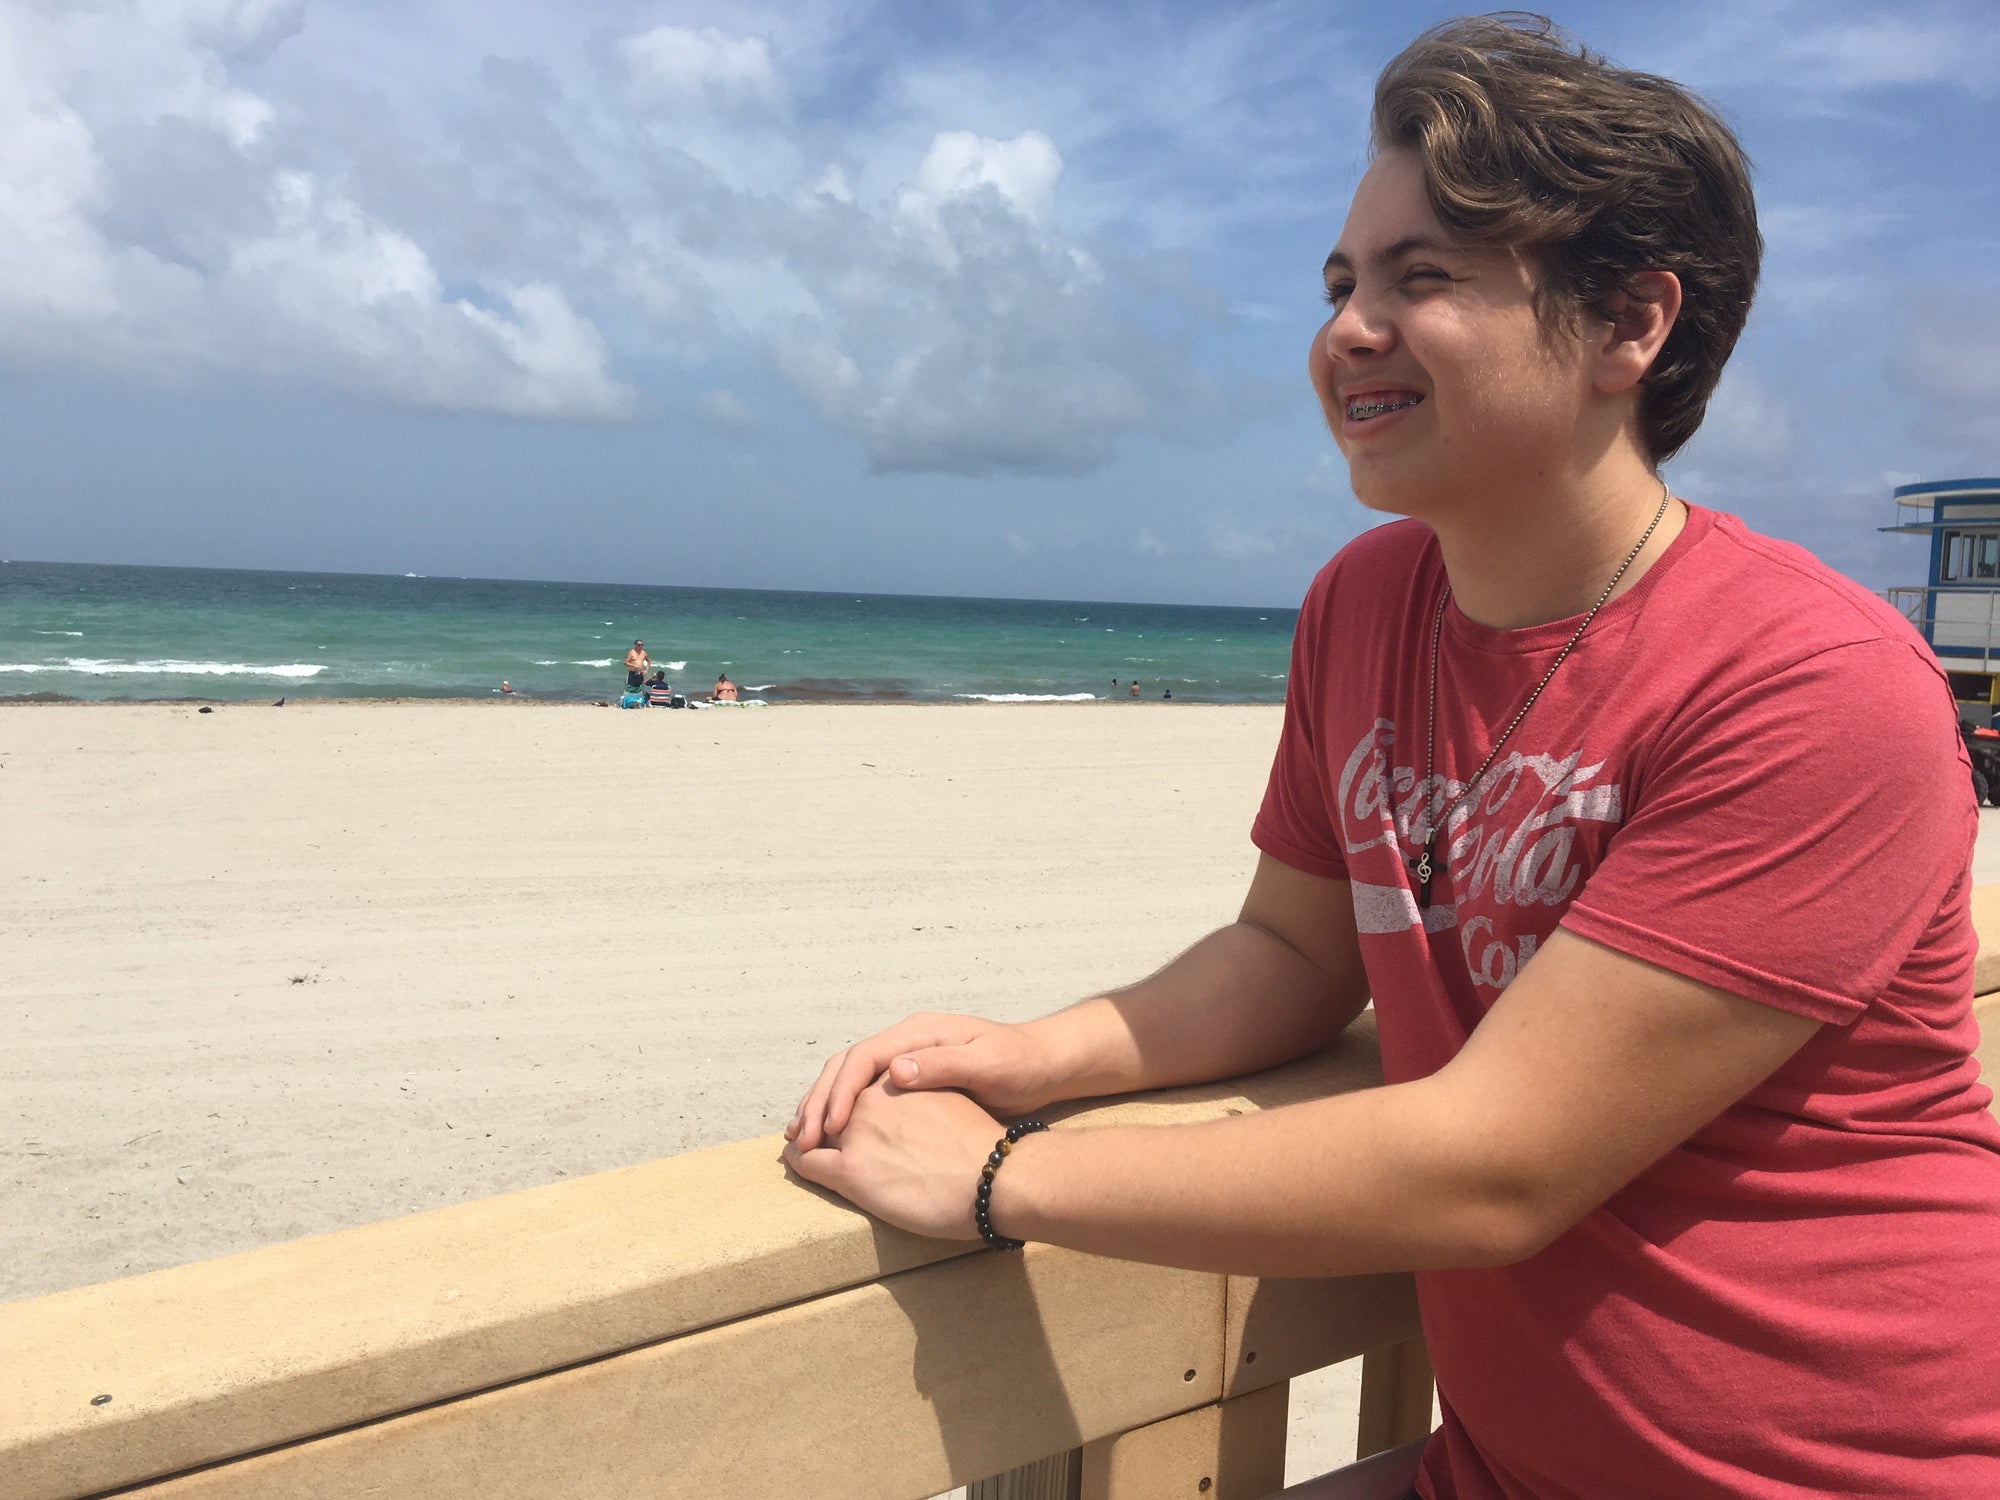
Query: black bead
<point>982,1198</point>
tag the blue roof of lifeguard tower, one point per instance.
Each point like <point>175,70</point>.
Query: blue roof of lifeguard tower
<point>1931,491</point>
<point>1946,487</point>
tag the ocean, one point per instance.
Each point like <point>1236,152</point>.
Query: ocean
<point>77,631</point>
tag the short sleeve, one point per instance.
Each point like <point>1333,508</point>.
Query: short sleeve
<point>1296,823</point>
<point>1790,843</point>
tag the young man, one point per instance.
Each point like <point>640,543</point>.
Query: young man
<point>1648,837</point>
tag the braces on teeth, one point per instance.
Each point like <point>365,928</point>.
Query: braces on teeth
<point>1362,410</point>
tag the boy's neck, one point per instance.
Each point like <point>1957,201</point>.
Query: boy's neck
<point>1529,559</point>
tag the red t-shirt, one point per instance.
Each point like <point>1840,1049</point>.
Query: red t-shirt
<point>1748,772</point>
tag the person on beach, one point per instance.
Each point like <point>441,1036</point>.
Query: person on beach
<point>1647,836</point>
<point>1135,687</point>
<point>637,663</point>
<point>724,690</point>
<point>506,688</point>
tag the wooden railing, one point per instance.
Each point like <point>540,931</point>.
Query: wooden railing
<point>706,1326</point>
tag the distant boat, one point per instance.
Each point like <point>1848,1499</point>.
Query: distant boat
<point>413,575</point>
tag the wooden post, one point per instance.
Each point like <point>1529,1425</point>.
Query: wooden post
<point>1057,1477</point>
<point>1396,1387</point>
<point>1231,1450</point>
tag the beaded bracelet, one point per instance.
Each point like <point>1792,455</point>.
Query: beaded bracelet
<point>982,1202</point>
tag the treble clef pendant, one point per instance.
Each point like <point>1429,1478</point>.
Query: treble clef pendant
<point>1421,867</point>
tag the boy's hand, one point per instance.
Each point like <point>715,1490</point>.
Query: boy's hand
<point>1005,1067</point>
<point>911,1158</point>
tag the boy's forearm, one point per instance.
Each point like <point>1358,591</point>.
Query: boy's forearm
<point>1238,1001</point>
<point>1341,1186</point>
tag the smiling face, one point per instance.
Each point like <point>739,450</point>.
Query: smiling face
<point>1440,385</point>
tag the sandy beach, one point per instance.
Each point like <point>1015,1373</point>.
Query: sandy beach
<point>274,971</point>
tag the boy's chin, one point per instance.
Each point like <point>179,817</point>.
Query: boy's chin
<point>1389,499</point>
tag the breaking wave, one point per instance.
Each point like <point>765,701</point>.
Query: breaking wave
<point>1029,697</point>
<point>93,667</point>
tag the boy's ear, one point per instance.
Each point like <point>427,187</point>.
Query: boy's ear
<point>1636,321</point>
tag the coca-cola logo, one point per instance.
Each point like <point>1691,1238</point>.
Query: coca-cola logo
<point>1514,842</point>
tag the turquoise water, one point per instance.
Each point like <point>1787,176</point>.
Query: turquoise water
<point>96,632</point>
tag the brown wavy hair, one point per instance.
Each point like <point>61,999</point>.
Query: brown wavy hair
<point>1528,140</point>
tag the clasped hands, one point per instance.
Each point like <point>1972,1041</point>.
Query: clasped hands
<point>901,1123</point>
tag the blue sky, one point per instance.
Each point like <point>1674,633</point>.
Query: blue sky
<point>924,298</point>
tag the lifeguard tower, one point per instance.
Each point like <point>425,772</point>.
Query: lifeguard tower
<point>1958,608</point>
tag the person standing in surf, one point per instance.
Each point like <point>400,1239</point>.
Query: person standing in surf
<point>1668,936</point>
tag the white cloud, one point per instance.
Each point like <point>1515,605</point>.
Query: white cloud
<point>260,268</point>
<point>1952,359</point>
<point>1883,53</point>
<point>930,298</point>
<point>1328,476</point>
<point>827,377</point>
<point>959,169</point>
<point>1817,56</point>
<point>1813,229</point>
<point>964,333</point>
<point>57,267</point>
<point>237,28</point>
<point>364,301</point>
<point>1229,539</point>
<point>680,66</point>
<point>833,184</point>
<point>1149,544</point>
<point>1024,171</point>
<point>725,411</point>
<point>1748,430</point>
<point>1042,535</point>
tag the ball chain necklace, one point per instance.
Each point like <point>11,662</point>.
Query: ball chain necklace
<point>1428,864</point>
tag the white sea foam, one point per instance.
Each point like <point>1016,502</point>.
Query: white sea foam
<point>548,663</point>
<point>1029,697</point>
<point>672,666</point>
<point>758,687</point>
<point>604,663</point>
<point>96,667</point>
<point>59,632</point>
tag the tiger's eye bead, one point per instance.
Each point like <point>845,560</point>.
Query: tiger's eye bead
<point>982,1200</point>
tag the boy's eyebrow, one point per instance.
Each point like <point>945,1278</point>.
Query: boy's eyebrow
<point>1409,244</point>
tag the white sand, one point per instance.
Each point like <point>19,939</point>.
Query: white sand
<point>268,972</point>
